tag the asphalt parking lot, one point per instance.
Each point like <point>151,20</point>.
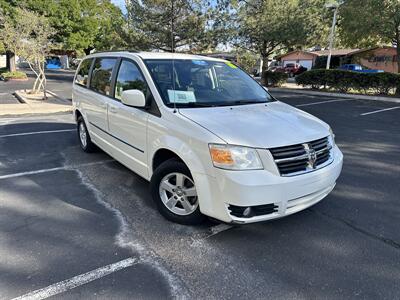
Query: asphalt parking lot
<point>58,82</point>
<point>76,225</point>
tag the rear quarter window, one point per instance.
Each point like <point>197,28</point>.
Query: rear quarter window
<point>82,75</point>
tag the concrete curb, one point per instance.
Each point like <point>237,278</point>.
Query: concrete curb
<point>336,95</point>
<point>56,96</point>
<point>35,107</point>
<point>19,97</point>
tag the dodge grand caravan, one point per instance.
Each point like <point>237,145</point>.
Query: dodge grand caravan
<point>210,139</point>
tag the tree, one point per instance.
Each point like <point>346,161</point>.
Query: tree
<point>367,23</point>
<point>170,25</point>
<point>112,30</point>
<point>266,27</point>
<point>81,25</point>
<point>247,60</point>
<point>27,35</point>
<point>6,10</point>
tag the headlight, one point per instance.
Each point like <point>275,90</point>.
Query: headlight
<point>332,137</point>
<point>235,157</point>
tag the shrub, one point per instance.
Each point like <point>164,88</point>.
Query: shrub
<point>14,75</point>
<point>275,78</point>
<point>343,81</point>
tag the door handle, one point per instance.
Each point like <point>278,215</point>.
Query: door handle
<point>113,109</point>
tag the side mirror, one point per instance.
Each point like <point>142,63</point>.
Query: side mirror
<point>134,98</point>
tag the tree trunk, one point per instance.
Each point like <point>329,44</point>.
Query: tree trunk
<point>10,58</point>
<point>264,79</point>
<point>34,87</point>
<point>87,50</point>
<point>44,84</point>
<point>398,60</point>
<point>398,55</point>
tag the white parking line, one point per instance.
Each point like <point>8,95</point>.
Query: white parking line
<point>36,132</point>
<point>380,110</point>
<point>69,284</point>
<point>323,102</point>
<point>71,167</point>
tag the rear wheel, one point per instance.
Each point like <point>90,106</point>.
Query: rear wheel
<point>174,192</point>
<point>84,137</point>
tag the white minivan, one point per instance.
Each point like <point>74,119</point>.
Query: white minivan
<point>210,139</point>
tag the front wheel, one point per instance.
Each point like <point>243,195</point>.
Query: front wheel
<point>174,192</point>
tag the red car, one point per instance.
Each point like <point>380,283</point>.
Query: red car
<point>294,69</point>
<point>291,69</point>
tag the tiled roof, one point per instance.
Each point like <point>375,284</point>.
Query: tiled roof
<point>334,52</point>
<point>323,52</point>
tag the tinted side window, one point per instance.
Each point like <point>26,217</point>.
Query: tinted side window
<point>101,75</point>
<point>129,78</point>
<point>83,72</point>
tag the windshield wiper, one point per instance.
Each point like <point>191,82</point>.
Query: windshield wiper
<point>241,102</point>
<point>194,104</point>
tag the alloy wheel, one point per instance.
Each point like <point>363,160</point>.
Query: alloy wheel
<point>178,193</point>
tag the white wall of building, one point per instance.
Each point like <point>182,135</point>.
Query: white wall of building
<point>3,62</point>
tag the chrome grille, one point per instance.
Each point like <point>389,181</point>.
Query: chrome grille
<point>302,158</point>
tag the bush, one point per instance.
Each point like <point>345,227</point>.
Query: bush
<point>14,75</point>
<point>343,81</point>
<point>275,78</point>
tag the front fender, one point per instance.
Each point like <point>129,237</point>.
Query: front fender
<point>196,160</point>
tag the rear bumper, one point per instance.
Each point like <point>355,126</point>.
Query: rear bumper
<point>254,188</point>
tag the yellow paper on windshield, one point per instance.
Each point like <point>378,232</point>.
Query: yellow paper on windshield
<point>229,64</point>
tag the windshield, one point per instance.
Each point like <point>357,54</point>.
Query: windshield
<point>198,83</point>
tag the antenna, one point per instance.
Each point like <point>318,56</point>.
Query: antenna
<point>173,51</point>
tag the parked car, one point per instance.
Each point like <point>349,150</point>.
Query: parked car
<point>53,62</point>
<point>358,68</point>
<point>292,69</point>
<point>210,139</point>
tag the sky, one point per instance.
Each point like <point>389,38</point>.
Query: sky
<point>121,4</point>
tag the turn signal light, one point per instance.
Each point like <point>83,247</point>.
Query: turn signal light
<point>221,156</point>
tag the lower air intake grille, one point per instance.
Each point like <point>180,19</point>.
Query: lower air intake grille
<point>302,158</point>
<point>251,211</point>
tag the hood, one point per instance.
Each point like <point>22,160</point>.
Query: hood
<point>269,125</point>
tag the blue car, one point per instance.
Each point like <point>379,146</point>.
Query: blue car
<point>53,63</point>
<point>358,68</point>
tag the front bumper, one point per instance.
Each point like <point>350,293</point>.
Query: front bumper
<point>261,187</point>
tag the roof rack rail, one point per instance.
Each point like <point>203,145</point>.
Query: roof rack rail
<point>120,50</point>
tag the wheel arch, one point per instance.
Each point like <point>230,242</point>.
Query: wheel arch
<point>77,114</point>
<point>174,148</point>
<point>162,155</point>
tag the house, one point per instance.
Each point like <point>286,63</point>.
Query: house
<point>377,58</point>
<point>3,61</point>
<point>316,59</point>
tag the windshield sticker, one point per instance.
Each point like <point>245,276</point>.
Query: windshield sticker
<point>229,64</point>
<point>181,96</point>
<point>199,62</point>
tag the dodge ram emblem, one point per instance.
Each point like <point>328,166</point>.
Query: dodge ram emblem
<point>312,157</point>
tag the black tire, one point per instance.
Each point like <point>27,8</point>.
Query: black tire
<point>86,146</point>
<point>164,170</point>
